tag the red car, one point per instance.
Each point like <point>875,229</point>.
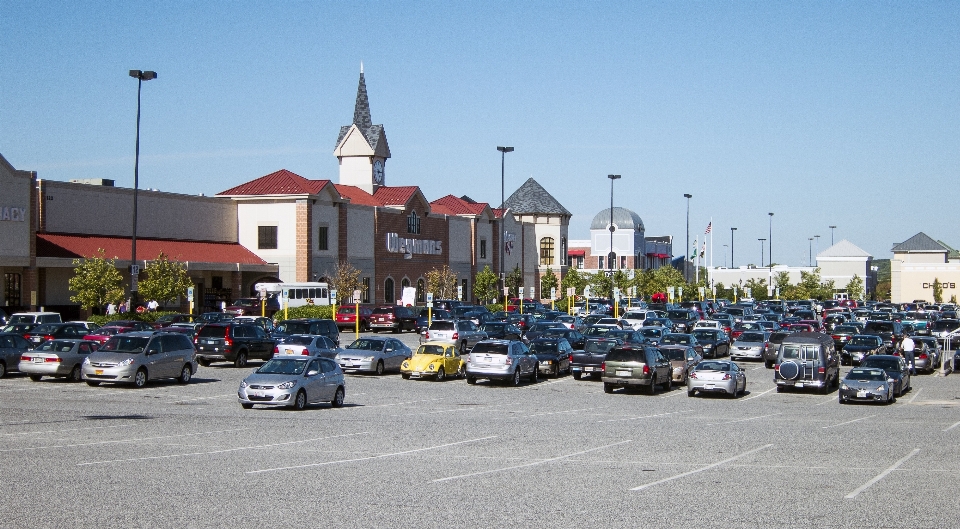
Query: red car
<point>347,317</point>
<point>104,333</point>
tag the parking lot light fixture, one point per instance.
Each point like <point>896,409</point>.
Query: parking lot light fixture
<point>503,155</point>
<point>731,247</point>
<point>141,76</point>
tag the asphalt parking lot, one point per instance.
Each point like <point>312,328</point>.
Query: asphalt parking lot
<point>559,453</point>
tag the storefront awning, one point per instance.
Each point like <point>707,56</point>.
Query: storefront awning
<point>576,253</point>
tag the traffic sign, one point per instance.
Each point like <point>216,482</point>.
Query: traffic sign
<point>430,297</point>
<point>285,293</point>
<point>459,291</point>
<point>521,292</point>
<point>190,293</point>
<point>553,292</point>
<point>356,296</point>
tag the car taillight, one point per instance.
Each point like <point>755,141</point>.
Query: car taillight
<point>570,357</point>
<point>776,367</point>
<point>53,360</point>
<point>727,376</point>
<point>227,342</point>
<point>456,335</point>
<point>48,337</point>
<point>426,334</point>
<point>693,375</point>
<point>24,358</point>
<point>835,337</point>
<point>923,356</point>
<point>276,350</point>
<point>26,336</point>
<point>821,370</point>
<point>646,370</point>
<point>603,366</point>
<point>304,352</point>
<point>509,361</point>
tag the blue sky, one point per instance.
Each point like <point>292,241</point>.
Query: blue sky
<point>825,113</point>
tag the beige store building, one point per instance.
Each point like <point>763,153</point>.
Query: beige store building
<point>917,263</point>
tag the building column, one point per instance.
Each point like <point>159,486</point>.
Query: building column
<point>304,240</point>
<point>236,284</point>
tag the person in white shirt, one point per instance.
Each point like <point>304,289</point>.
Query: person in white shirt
<point>907,346</point>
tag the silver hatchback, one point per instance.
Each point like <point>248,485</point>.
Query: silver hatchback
<point>294,381</point>
<point>137,357</point>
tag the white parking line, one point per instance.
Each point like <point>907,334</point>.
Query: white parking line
<point>745,420</point>
<point>677,394</point>
<point>758,395</point>
<point>117,441</point>
<point>540,462</point>
<point>882,475</point>
<point>647,416</point>
<point>70,430</point>
<point>708,467</point>
<point>558,412</point>
<point>848,422</point>
<point>951,427</point>
<point>370,457</point>
<point>213,452</point>
<point>831,399</point>
<point>401,403</point>
<point>203,398</point>
<point>914,396</point>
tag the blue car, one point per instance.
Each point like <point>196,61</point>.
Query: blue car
<point>438,314</point>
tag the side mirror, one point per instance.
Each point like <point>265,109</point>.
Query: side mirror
<point>152,351</point>
<point>312,372</point>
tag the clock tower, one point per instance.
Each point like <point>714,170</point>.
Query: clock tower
<point>362,148</point>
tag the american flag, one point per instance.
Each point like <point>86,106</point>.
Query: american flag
<point>709,227</point>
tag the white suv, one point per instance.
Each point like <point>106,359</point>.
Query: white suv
<point>635,318</point>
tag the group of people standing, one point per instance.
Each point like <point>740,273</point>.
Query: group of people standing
<point>123,308</point>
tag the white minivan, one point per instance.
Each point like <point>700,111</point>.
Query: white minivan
<point>635,318</point>
<point>35,317</point>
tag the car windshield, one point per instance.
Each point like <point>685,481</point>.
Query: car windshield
<point>56,346</point>
<point>879,327</point>
<point>125,344</point>
<point>283,366</point>
<point>543,326</point>
<point>383,310</point>
<point>679,314</point>
<point>364,344</point>
<point>845,328</point>
<point>442,326</point>
<point>674,354</point>
<point>682,339</point>
<point>599,346</point>
<point>298,340</point>
<point>596,331</point>
<point>46,329</point>
<point>705,335</point>
<point>751,337</point>
<point>566,319</point>
<point>108,331</point>
<point>713,366</point>
<point>869,341</point>
<point>626,355</point>
<point>887,364</point>
<point>495,327</point>
<point>246,302</point>
<point>945,325</point>
<point>347,309</point>
<point>543,347</point>
<point>437,350</point>
<point>651,333</point>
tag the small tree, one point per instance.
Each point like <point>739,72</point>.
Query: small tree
<point>548,281</point>
<point>345,280</point>
<point>855,288</point>
<point>574,279</point>
<point>937,290</point>
<point>166,280</point>
<point>96,281</point>
<point>442,282</point>
<point>514,281</point>
<point>600,284</point>
<point>485,285</point>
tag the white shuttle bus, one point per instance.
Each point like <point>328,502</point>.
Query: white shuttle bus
<point>300,294</point>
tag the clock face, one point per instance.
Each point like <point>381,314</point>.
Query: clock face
<point>378,172</point>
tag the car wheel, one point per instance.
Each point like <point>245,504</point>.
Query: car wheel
<point>441,374</point>
<point>93,383</point>
<point>3,369</point>
<point>300,402</point>
<point>380,367</point>
<point>337,401</point>
<point>652,388</point>
<point>515,380</point>
<point>471,380</point>
<point>607,388</point>
<point>203,362</point>
<point>843,400</point>
<point>893,400</point>
<point>405,376</point>
<point>463,348</point>
<point>241,360</point>
<point>185,374</point>
<point>691,392</point>
<point>76,375</point>
<point>140,379</point>
<point>535,376</point>
<point>577,375</point>
<point>36,378</point>
<point>246,405</point>
<point>768,364</point>
<point>556,371</point>
<point>462,372</point>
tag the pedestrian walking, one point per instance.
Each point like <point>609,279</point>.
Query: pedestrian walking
<point>907,346</point>
<point>111,309</point>
<point>123,307</point>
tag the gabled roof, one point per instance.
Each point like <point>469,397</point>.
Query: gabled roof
<point>395,196</point>
<point>844,248</point>
<point>281,182</point>
<point>920,242</point>
<point>451,205</point>
<point>531,198</point>
<point>82,246</point>
<point>357,195</point>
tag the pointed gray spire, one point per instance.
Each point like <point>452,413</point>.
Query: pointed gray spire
<point>361,112</point>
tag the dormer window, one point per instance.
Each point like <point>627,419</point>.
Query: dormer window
<point>413,223</point>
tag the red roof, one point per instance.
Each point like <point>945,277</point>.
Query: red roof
<point>282,182</point>
<point>498,213</point>
<point>395,196</point>
<point>451,205</point>
<point>576,252</point>
<point>81,246</point>
<point>357,195</point>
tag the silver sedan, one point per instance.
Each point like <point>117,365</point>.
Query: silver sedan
<point>750,345</point>
<point>57,358</point>
<point>719,376</point>
<point>306,345</point>
<point>374,354</point>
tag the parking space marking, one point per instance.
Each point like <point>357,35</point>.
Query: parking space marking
<point>117,441</point>
<point>831,399</point>
<point>368,458</point>
<point>758,395</point>
<point>745,420</point>
<point>69,430</point>
<point>214,452</point>
<point>952,426</point>
<point>559,412</point>
<point>534,463</point>
<point>647,416</point>
<point>848,422</point>
<point>677,394</point>
<point>882,475</point>
<point>702,469</point>
<point>203,398</point>
<point>914,397</point>
<point>401,403</point>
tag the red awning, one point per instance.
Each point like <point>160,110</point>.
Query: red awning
<point>658,255</point>
<point>576,252</point>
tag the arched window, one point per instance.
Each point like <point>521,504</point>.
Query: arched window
<point>388,293</point>
<point>546,251</point>
<point>420,288</point>
<point>404,283</point>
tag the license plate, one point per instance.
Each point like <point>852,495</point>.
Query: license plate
<point>415,374</point>
<point>258,394</point>
<point>37,360</point>
<point>799,384</point>
<point>588,369</point>
<point>862,394</point>
<point>709,386</point>
<point>98,371</point>
<point>623,373</point>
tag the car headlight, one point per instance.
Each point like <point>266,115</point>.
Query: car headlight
<point>369,358</point>
<point>86,361</point>
<point>243,383</point>
<point>844,386</point>
<point>881,387</point>
<point>430,367</point>
<point>548,362</point>
<point>125,363</point>
<point>287,385</point>
<point>406,365</point>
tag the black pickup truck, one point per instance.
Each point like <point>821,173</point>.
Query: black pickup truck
<point>589,360</point>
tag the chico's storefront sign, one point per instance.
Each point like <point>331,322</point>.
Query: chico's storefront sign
<point>13,214</point>
<point>410,247</point>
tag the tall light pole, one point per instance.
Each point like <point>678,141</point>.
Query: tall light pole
<point>810,252</point>
<point>503,233</point>
<point>731,247</point>
<point>817,237</point>
<point>770,246</point>
<point>761,252</point>
<point>686,273</point>
<point>725,256</point>
<point>141,76</point>
<point>831,234</point>
<point>611,256</point>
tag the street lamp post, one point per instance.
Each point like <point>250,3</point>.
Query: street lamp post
<point>831,234</point>
<point>731,247</point>
<point>503,233</point>
<point>686,273</point>
<point>810,253</point>
<point>761,252</point>
<point>770,245</point>
<point>817,237</point>
<point>725,256</point>
<point>141,76</point>
<point>611,256</point>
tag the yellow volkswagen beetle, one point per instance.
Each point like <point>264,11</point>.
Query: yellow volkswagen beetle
<point>436,360</point>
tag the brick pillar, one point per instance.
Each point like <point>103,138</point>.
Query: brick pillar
<point>236,285</point>
<point>304,255</point>
<point>31,277</point>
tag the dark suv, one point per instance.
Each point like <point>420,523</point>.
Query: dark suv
<point>890,331</point>
<point>312,326</point>
<point>807,360</point>
<point>393,318</point>
<point>683,319</point>
<point>230,342</point>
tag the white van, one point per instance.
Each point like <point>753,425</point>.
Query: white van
<point>36,317</point>
<point>635,318</point>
